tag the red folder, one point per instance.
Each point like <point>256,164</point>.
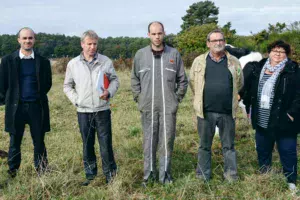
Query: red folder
<point>102,82</point>
<point>105,81</point>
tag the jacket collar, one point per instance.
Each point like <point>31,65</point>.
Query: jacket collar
<point>166,48</point>
<point>228,55</point>
<point>98,58</point>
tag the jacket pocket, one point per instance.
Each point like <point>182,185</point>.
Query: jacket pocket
<point>144,70</point>
<point>170,72</point>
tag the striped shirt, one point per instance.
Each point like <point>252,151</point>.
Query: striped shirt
<point>263,114</point>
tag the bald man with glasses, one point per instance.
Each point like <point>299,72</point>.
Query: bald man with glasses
<point>215,79</point>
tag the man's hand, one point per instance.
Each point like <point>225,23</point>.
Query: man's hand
<point>105,95</point>
<point>291,118</point>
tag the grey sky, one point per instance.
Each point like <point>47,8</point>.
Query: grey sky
<point>131,17</point>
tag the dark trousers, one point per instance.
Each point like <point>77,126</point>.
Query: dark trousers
<point>287,149</point>
<point>28,113</point>
<point>101,123</point>
<point>206,131</point>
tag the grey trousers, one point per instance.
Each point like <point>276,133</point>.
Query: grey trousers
<point>206,131</point>
<point>159,131</point>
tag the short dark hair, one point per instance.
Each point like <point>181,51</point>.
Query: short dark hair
<point>279,44</point>
<point>25,28</point>
<point>155,22</point>
<point>215,31</point>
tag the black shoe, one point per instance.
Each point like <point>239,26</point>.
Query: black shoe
<point>167,180</point>
<point>12,173</point>
<point>109,178</point>
<point>86,182</point>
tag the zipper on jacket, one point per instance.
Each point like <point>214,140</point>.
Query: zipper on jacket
<point>91,78</point>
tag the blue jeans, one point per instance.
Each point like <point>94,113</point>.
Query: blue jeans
<point>287,148</point>
<point>99,122</point>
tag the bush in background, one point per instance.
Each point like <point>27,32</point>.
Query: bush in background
<point>59,65</point>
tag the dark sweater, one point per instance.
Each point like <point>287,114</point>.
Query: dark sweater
<point>218,87</point>
<point>28,80</point>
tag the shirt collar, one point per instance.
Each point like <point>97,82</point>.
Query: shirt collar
<point>22,56</point>
<point>215,60</point>
<point>82,58</point>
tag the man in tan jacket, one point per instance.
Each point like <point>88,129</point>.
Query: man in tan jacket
<point>215,79</point>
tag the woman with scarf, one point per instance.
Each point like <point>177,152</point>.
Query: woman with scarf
<point>272,90</point>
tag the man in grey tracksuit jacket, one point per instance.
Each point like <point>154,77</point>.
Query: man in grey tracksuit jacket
<point>158,84</point>
<point>93,108</point>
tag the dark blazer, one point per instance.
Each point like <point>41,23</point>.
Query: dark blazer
<point>9,88</point>
<point>286,97</point>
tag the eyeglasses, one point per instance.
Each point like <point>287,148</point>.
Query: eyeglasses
<point>25,38</point>
<point>215,41</point>
<point>278,52</point>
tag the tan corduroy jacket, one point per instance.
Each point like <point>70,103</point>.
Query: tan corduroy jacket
<point>197,81</point>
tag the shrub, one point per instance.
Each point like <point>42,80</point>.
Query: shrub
<point>123,64</point>
<point>59,65</point>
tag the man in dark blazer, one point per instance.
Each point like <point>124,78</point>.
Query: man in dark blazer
<point>25,80</point>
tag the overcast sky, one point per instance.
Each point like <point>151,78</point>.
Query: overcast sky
<point>131,17</point>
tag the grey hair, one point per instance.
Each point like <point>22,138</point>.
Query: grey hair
<point>215,31</point>
<point>89,33</point>
<point>25,28</point>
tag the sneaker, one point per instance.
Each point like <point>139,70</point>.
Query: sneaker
<point>292,187</point>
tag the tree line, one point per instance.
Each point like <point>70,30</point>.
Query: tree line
<point>200,19</point>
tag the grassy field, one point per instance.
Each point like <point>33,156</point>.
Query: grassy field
<point>64,147</point>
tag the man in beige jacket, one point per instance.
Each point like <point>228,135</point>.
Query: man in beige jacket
<point>215,79</point>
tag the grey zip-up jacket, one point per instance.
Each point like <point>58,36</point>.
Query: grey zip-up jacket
<point>174,80</point>
<point>80,83</point>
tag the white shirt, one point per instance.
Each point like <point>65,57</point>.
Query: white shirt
<point>22,56</point>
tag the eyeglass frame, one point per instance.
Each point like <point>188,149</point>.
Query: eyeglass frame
<point>278,52</point>
<point>215,41</point>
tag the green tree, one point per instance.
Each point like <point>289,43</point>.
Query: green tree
<point>203,12</point>
<point>261,37</point>
<point>194,39</point>
<point>229,33</point>
<point>295,26</point>
<point>192,42</point>
<point>277,28</point>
